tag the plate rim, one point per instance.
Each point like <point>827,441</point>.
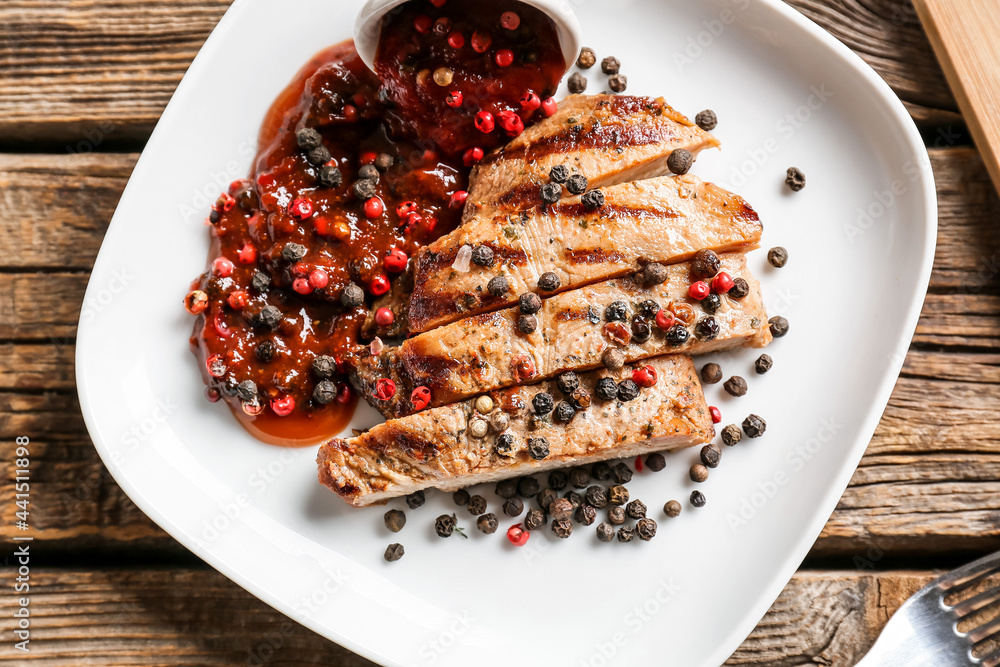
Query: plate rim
<point>780,575</point>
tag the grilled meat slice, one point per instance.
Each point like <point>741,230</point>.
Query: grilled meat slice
<point>664,219</point>
<point>484,352</point>
<point>607,138</point>
<point>436,448</point>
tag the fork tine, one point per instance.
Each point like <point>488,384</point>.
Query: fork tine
<point>970,573</point>
<point>977,602</point>
<point>985,630</point>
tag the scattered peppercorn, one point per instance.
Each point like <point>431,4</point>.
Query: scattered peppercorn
<point>394,552</point>
<point>513,507</point>
<point>268,317</point>
<point>562,528</point>
<point>656,462</point>
<point>635,509</point>
<point>580,398</point>
<point>735,386</point>
<point>561,508</point>
<point>499,421</point>
<point>710,456</point>
<point>754,426</point>
<point>564,411</point>
<point>577,83</point>
<point>384,161</point>
<point>545,498</point>
<point>505,445</point>
<point>597,496</point>
<point>487,523</point>
<point>698,499</point>
<point>576,184</point>
<point>763,364</point>
<point>497,286</point>
<point>610,65</point>
<point>293,252</point>
<point>705,264</point>
<point>265,351</point>
<point>308,138</point>
<point>795,179</point>
<point>319,155</point>
<point>672,508</point>
<point>707,328</point>
<point>601,471</point>
<point>613,360</point>
<point>394,520</point>
<point>711,303</point>
<point>538,448</point>
<point>587,58</point>
<point>558,479</point>
<point>460,497</point>
<point>369,172</point>
<point>706,120</point>
<point>482,255</point>
<point>698,473</point>
<point>579,477</point>
<point>607,389</point>
<point>626,533</point>
<point>549,282</point>
<point>575,498</point>
<point>711,373</point>
<point>593,200</point>
<point>325,392</point>
<point>551,193</point>
<point>534,519</point>
<point>618,83</point>
<point>568,382</point>
<point>352,296</point>
<point>618,495</point>
<point>677,335</point>
<point>444,525</point>
<point>506,488</point>
<point>645,529</point>
<point>260,281</point>
<point>777,256</point>
<point>527,486</point>
<point>731,435</point>
<point>542,403</point>
<point>616,515</point>
<point>478,428</point>
<point>779,326</point>
<point>627,390</point>
<point>641,331</point>
<point>605,533</point>
<point>527,324</point>
<point>364,189</point>
<point>740,289</point>
<point>679,161</point>
<point>585,514</point>
<point>484,404</point>
<point>477,505</point>
<point>415,500</point>
<point>622,473</point>
<point>329,176</point>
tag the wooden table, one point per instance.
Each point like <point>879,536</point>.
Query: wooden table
<point>81,86</point>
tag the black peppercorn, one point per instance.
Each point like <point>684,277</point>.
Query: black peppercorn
<point>656,462</point>
<point>597,496</point>
<point>364,189</point>
<point>562,528</point>
<point>735,386</point>
<point>497,286</point>
<point>551,193</point>
<point>527,324</point>
<point>622,473</point>
<point>542,403</point>
<point>698,473</point>
<point>538,448</point>
<point>711,303</point>
<point>415,500</point>
<point>534,519</point>
<point>601,471</point>
<point>606,389</point>
<point>559,174</point>
<point>477,505</point>
<point>460,497</point>
<point>482,255</point>
<point>672,508</point>
<point>319,155</point>
<point>641,331</point>
<point>711,373</point>
<point>610,65</point>
<point>731,435</point>
<point>561,508</point>
<point>705,264</point>
<point>506,488</point>
<point>527,486</point>
<point>268,317</point>
<point>706,120</point>
<point>645,529</point>
<point>605,533</point>
<point>585,514</point>
<point>394,520</point>
<point>529,303</point>
<point>575,498</point>
<point>558,479</point>
<point>324,392</point>
<point>754,426</point>
<point>680,160</point>
<point>487,523</point>
<point>677,335</point>
<point>763,364</point>
<point>697,498</point>
<point>394,552</point>
<point>246,390</point>
<point>615,311</point>
<point>293,252</point>
<point>707,328</point>
<point>587,58</point>
<point>626,533</point>
<point>740,289</point>
<point>579,477</point>
<point>545,498</point>
<point>352,296</point>
<point>329,176</point>
<point>513,507</point>
<point>307,138</point>
<point>593,200</point>
<point>568,382</point>
<point>260,281</point>
<point>710,456</point>
<point>549,282</point>
<point>616,515</point>
<point>649,308</point>
<point>618,83</point>
<point>564,411</point>
<point>779,326</point>
<point>505,445</point>
<point>576,184</point>
<point>617,495</point>
<point>265,351</point>
<point>383,161</point>
<point>369,172</point>
<point>444,525</point>
<point>577,83</point>
<point>795,179</point>
<point>635,509</point>
<point>777,256</point>
<point>627,390</point>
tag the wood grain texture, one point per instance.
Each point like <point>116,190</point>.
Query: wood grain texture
<point>964,34</point>
<point>164,617</point>
<point>77,77</point>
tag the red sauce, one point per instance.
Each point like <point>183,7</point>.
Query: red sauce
<point>266,317</point>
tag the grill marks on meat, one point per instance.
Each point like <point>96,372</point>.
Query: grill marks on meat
<point>433,448</point>
<point>665,219</point>
<point>609,139</point>
<point>478,354</point>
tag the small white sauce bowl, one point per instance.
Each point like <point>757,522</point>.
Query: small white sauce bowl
<point>369,24</point>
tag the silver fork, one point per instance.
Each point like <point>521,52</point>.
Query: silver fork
<point>924,632</point>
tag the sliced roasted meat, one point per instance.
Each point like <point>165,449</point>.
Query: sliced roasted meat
<point>572,331</point>
<point>664,219</point>
<point>607,138</point>
<point>440,448</point>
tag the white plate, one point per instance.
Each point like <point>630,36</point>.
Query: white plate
<point>861,239</point>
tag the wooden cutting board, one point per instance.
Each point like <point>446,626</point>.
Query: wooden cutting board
<point>965,35</point>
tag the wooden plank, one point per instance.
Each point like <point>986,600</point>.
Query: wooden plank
<point>196,616</point>
<point>964,34</point>
<point>83,76</point>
